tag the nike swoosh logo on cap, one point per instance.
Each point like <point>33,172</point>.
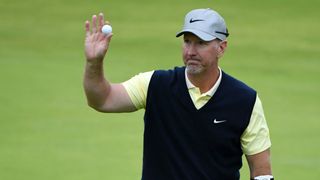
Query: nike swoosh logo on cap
<point>195,20</point>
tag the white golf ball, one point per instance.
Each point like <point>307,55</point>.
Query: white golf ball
<point>106,29</point>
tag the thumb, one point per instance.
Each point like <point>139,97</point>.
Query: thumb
<point>109,37</point>
<point>107,40</point>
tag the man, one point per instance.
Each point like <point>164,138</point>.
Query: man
<point>198,119</point>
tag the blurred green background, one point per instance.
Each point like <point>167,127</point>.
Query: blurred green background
<point>48,132</point>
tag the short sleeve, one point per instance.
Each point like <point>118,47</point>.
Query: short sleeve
<point>256,138</point>
<point>137,88</point>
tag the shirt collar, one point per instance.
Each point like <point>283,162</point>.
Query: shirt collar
<point>211,91</point>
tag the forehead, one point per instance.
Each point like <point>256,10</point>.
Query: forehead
<point>189,35</point>
<point>193,37</point>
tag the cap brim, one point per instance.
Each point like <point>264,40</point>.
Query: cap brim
<point>202,35</point>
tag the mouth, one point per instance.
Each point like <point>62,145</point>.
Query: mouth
<point>193,62</point>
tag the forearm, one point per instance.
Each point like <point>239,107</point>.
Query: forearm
<point>260,164</point>
<point>259,171</point>
<point>95,85</point>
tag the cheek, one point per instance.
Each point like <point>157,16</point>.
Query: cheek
<point>208,57</point>
<point>184,53</point>
<point>210,53</point>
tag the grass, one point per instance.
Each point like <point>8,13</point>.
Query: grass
<point>48,132</point>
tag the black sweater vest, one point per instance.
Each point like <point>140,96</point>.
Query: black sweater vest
<point>184,143</point>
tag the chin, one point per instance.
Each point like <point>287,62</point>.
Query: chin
<point>192,69</point>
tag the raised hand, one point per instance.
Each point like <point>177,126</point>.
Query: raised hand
<point>96,43</point>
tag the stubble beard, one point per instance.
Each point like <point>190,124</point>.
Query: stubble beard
<point>194,69</point>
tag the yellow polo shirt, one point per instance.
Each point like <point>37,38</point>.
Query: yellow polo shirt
<point>255,138</point>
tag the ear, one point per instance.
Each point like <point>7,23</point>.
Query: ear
<point>222,48</point>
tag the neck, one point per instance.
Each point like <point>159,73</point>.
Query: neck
<point>204,81</point>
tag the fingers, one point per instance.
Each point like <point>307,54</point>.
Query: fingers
<point>87,28</point>
<point>101,21</point>
<point>97,24</point>
<point>94,24</point>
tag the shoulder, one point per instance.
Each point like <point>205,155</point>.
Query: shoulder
<point>235,87</point>
<point>142,79</point>
<point>169,72</point>
<point>229,80</point>
<point>137,88</point>
<point>168,75</point>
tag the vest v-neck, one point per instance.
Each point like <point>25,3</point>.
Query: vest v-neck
<point>183,92</point>
<point>184,96</point>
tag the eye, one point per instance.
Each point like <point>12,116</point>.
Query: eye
<point>186,41</point>
<point>202,43</point>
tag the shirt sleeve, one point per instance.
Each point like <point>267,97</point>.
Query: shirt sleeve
<point>137,88</point>
<point>256,138</point>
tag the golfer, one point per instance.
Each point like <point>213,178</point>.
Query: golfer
<point>199,120</point>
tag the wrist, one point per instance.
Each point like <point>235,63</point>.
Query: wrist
<point>94,69</point>
<point>263,177</point>
<point>94,61</point>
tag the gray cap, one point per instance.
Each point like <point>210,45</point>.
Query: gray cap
<point>207,24</point>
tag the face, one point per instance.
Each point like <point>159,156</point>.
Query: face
<point>200,56</point>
